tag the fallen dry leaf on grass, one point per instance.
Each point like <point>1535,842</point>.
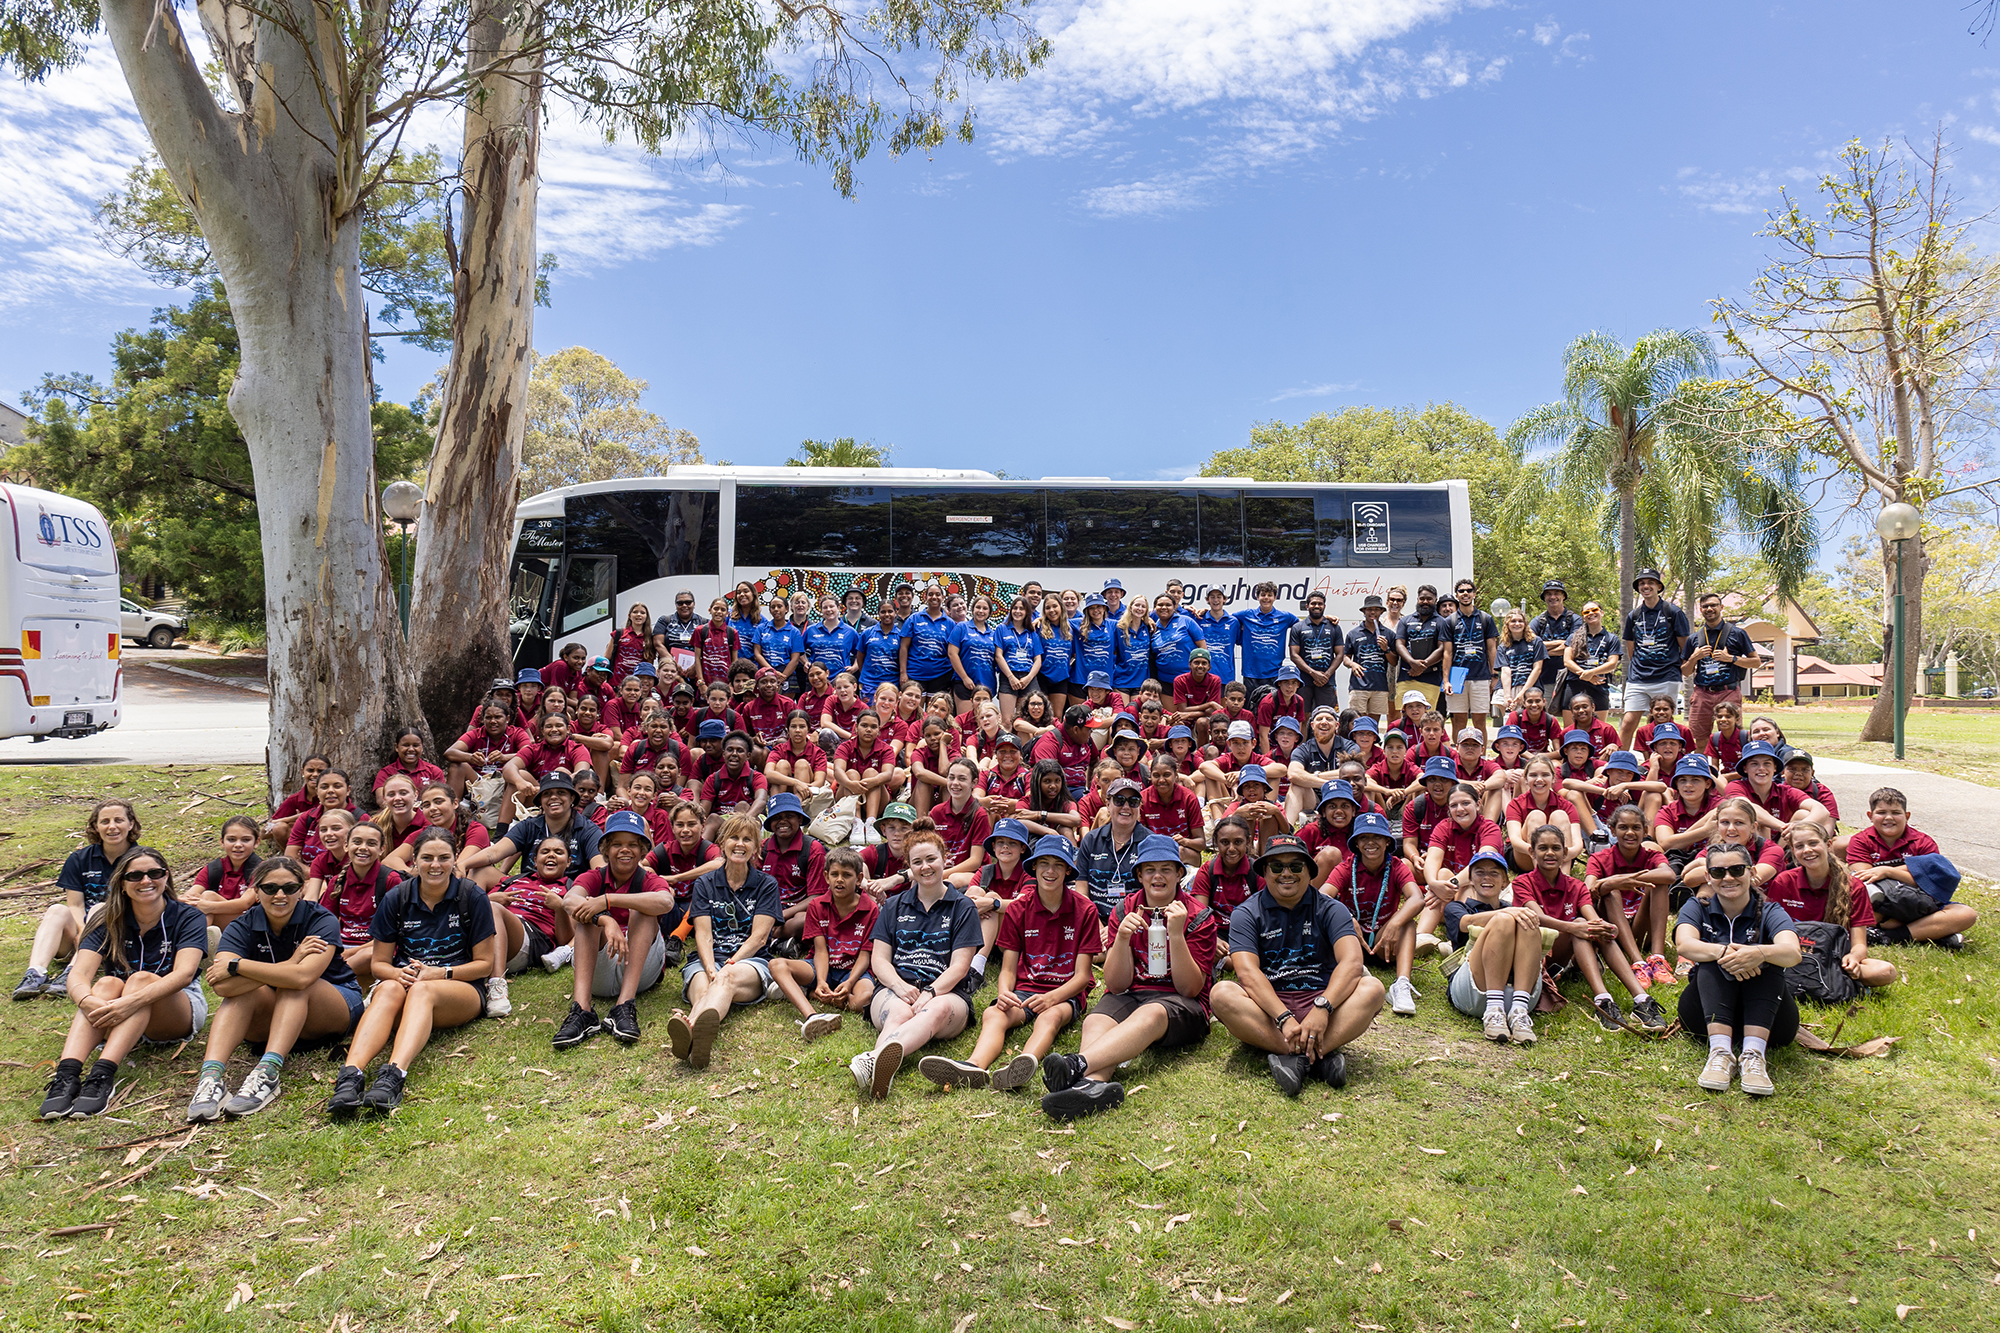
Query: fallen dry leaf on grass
<point>964,1321</point>
<point>241,1296</point>
<point>1116,1322</point>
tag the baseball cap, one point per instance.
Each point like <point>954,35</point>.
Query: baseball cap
<point>1395,735</point>
<point>1284,844</point>
<point>1795,757</point>
<point>1414,697</point>
<point>600,664</point>
<point>502,683</point>
<point>1199,655</point>
<point>1472,734</point>
<point>557,782</point>
<point>1008,738</point>
<point>1240,730</point>
<point>1330,712</point>
<point>624,821</point>
<point>1489,855</point>
<point>899,810</point>
<point>1121,786</point>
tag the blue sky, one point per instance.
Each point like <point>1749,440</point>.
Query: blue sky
<point>1204,214</point>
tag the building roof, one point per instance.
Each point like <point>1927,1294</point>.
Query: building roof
<point>1819,671</point>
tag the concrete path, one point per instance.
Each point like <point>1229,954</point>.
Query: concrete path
<point>169,718</point>
<point>1963,816</point>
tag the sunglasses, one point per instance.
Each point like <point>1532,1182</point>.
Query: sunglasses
<point>287,886</point>
<point>140,876</point>
<point>1287,868</point>
<point>1731,872</point>
<point>1125,798</point>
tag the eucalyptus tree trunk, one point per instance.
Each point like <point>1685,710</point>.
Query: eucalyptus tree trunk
<point>1881,723</point>
<point>458,611</point>
<point>270,187</point>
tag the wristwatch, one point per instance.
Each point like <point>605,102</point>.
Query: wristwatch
<point>1321,1002</point>
<point>234,963</point>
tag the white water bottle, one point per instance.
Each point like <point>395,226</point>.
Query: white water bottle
<point>1157,964</point>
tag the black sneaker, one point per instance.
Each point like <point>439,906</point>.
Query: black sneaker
<point>1609,1016</point>
<point>1061,1071</point>
<point>1953,941</point>
<point>1877,937</point>
<point>95,1095</point>
<point>1646,1010</point>
<point>63,1087</point>
<point>623,1022</point>
<point>786,948</point>
<point>347,1085</point>
<point>676,951</point>
<point>385,1094</point>
<point>1084,1097</point>
<point>1288,1072</point>
<point>579,1025</point>
<point>1331,1069</point>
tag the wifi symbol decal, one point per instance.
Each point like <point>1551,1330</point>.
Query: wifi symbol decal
<point>1371,528</point>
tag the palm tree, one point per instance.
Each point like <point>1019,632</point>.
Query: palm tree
<point>1616,405</point>
<point>843,452</point>
<point>1714,470</point>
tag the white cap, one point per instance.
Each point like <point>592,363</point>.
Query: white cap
<point>1240,730</point>
<point>1415,697</point>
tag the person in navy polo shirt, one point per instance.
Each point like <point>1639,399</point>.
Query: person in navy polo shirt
<point>1317,647</point>
<point>1108,857</point>
<point>1301,991</point>
<point>1049,937</point>
<point>1655,643</point>
<point>736,911</point>
<point>281,977</point>
<point>109,832</point>
<point>1370,648</point>
<point>434,948</point>
<point>1740,944</point>
<point>924,943</point>
<point>1424,647</point>
<point>555,817</point>
<point>1157,969</point>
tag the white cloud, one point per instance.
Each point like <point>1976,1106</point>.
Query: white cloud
<point>603,204</point>
<point>65,143</point>
<point>1750,193</point>
<point>1547,31</point>
<point>1313,391</point>
<point>1252,84</point>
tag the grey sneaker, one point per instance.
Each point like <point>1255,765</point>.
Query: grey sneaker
<point>1521,1027</point>
<point>206,1107</point>
<point>1016,1073</point>
<point>1403,997</point>
<point>1495,1025</point>
<point>33,983</point>
<point>556,959</point>
<point>259,1090</point>
<point>1753,1076</point>
<point>948,1073</point>
<point>498,1004</point>
<point>1609,1016</point>
<point>819,1025</point>
<point>862,1067</point>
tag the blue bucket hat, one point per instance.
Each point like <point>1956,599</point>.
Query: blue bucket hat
<point>714,729</point>
<point>784,803</point>
<point>1288,721</point>
<point>1095,599</point>
<point>1157,847</point>
<point>1667,731</point>
<point>1286,672</point>
<point>1577,736</point>
<point>528,676</point>
<point>1367,724</point>
<point>1759,750</point>
<point>1109,584</point>
<point>1437,766</point>
<point>1006,828</point>
<point>1338,790</point>
<point>1180,733</point>
<point>646,669</point>
<point>1510,734</point>
<point>1097,680</point>
<point>1372,823</point>
<point>1934,874</point>
<point>1624,759</point>
<point>1251,773</point>
<point>1052,844</point>
<point>1694,766</point>
<point>624,821</point>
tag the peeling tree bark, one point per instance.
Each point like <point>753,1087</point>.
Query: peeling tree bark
<point>265,189</point>
<point>458,605</point>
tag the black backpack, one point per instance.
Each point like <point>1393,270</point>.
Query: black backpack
<point>215,869</point>
<point>1257,696</point>
<point>1818,975</point>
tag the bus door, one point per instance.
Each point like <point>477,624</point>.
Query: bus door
<point>589,596</point>
<point>531,590</point>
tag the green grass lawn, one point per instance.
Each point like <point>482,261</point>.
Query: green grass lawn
<point>1586,1183</point>
<point>1957,742</point>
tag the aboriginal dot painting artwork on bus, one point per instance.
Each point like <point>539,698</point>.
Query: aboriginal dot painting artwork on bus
<point>819,583</point>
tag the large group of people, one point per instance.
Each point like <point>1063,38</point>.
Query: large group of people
<point>1119,815</point>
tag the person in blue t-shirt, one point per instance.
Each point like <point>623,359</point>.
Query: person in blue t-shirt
<point>970,651</point>
<point>1219,632</point>
<point>832,643</point>
<point>1176,635</point>
<point>1265,635</point>
<point>881,652</point>
<point>108,833</point>
<point>748,620</point>
<point>925,635</point>
<point>1099,644</point>
<point>1302,991</point>
<point>783,646</point>
<point>1019,668</point>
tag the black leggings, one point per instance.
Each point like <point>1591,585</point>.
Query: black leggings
<point>1764,1001</point>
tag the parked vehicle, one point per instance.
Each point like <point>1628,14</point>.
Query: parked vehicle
<point>156,629</point>
<point>60,673</point>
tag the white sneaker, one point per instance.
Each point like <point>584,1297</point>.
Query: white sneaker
<point>1717,1073</point>
<point>497,1003</point>
<point>1445,947</point>
<point>862,1067</point>
<point>772,991</point>
<point>556,959</point>
<point>1427,944</point>
<point>1495,1025</point>
<point>812,1029</point>
<point>1403,997</point>
<point>1752,1075</point>
<point>1521,1027</point>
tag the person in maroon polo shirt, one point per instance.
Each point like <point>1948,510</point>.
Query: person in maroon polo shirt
<point>837,926</point>
<point>735,788</point>
<point>1197,692</point>
<point>798,863</point>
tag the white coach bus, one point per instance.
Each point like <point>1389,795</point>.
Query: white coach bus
<point>60,673</point>
<point>584,554</point>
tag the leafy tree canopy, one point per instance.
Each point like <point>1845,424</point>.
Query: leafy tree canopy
<point>843,452</point>
<point>585,424</point>
<point>158,452</point>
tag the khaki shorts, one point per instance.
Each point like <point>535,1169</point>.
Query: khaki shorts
<point>1369,703</point>
<point>1478,694</point>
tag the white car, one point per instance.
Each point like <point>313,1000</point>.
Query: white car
<point>157,629</point>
